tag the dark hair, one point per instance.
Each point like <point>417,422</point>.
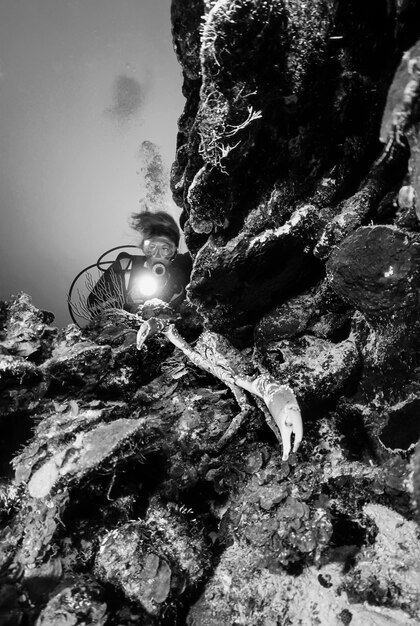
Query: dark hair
<point>159,224</point>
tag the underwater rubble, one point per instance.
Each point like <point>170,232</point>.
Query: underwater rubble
<point>117,508</point>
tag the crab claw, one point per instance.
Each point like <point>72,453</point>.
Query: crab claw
<point>283,406</point>
<point>285,410</point>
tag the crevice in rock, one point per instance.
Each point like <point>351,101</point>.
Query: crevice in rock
<point>403,427</point>
<point>16,430</point>
<point>114,496</point>
<point>349,532</point>
<point>348,538</point>
<point>342,332</point>
<point>357,442</point>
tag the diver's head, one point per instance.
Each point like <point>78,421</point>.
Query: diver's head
<point>159,238</point>
<point>159,252</point>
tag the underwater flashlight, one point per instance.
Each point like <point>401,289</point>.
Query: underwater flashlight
<point>159,269</point>
<point>146,285</point>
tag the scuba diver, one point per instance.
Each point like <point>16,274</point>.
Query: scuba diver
<point>160,272</point>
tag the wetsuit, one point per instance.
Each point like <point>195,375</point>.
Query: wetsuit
<point>120,285</point>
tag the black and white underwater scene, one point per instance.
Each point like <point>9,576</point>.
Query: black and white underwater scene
<point>210,313</point>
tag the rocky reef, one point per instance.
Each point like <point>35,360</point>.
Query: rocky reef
<point>117,507</point>
<point>297,172</point>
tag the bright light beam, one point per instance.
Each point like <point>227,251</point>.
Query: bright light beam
<point>146,285</point>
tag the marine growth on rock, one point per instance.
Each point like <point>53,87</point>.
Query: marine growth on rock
<point>122,499</point>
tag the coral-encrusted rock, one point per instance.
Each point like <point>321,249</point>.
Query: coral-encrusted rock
<point>377,270</point>
<point>84,453</point>
<point>315,368</point>
<point>241,591</point>
<point>297,524</point>
<point>17,371</point>
<point>287,320</point>
<point>361,207</point>
<point>25,331</point>
<point>104,356</point>
<point>251,273</point>
<point>278,162</point>
<point>319,312</point>
<point>62,423</point>
<point>143,576</point>
<point>76,362</point>
<point>128,368</point>
<point>134,493</point>
<point>186,25</point>
<point>78,603</point>
<point>154,561</point>
<point>401,117</point>
<point>397,552</point>
<point>268,71</point>
<point>114,327</point>
<point>390,357</point>
<point>186,18</point>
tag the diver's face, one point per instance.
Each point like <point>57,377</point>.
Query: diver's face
<point>159,249</point>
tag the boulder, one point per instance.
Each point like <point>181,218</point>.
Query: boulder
<point>377,270</point>
<point>26,331</point>
<point>153,561</point>
<point>316,369</point>
<point>77,603</point>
